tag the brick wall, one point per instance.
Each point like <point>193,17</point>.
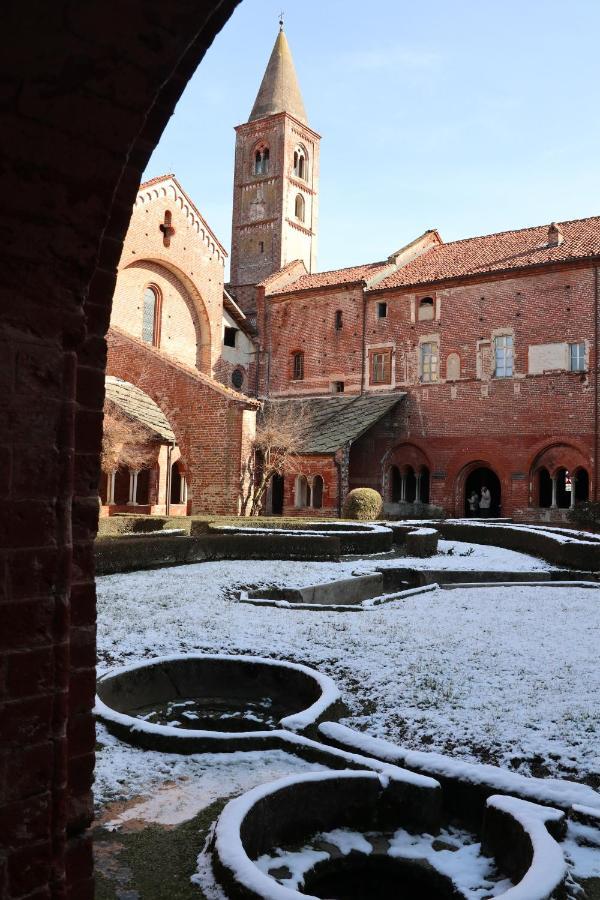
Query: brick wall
<point>85,104</point>
<point>207,419</point>
<point>188,274</point>
<point>468,416</point>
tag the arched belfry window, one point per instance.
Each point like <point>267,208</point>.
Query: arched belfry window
<point>261,160</point>
<point>299,207</point>
<point>301,163</point>
<point>151,316</point>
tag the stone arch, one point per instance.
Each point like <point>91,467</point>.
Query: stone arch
<point>406,474</point>
<point>59,277</point>
<point>195,304</point>
<point>492,478</point>
<point>553,477</point>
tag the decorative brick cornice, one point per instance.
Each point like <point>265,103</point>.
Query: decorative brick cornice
<point>301,228</point>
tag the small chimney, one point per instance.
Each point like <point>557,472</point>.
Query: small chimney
<point>555,235</point>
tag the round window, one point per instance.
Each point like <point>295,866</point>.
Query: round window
<point>237,378</point>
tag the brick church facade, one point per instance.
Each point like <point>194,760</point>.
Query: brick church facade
<point>436,370</point>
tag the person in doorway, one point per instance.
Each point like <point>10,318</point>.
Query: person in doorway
<point>485,501</point>
<point>473,503</point>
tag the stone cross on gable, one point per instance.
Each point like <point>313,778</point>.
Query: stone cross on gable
<point>167,229</point>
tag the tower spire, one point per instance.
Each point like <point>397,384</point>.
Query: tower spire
<point>279,90</point>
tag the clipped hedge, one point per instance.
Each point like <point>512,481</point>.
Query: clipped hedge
<point>363,504</point>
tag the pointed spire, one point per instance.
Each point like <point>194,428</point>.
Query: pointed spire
<point>279,90</point>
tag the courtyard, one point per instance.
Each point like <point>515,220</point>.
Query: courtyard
<point>503,675</point>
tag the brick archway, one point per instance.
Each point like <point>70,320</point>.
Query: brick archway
<point>462,479</point>
<point>85,104</point>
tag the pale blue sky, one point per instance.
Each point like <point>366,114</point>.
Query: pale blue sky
<point>469,117</point>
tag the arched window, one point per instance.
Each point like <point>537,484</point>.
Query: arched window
<point>301,163</point>
<point>298,365</point>
<point>302,492</point>
<point>563,488</point>
<point>410,490</point>
<point>178,484</point>
<point>261,160</point>
<point>317,492</point>
<point>395,484</point>
<point>423,486</point>
<point>121,486</point>
<point>151,316</point>
<point>299,207</point>
<point>425,309</point>
<point>142,494</point>
<point>582,485</point>
<point>544,486</point>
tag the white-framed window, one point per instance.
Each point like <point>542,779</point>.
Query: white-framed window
<point>577,357</point>
<point>504,356</point>
<point>429,362</point>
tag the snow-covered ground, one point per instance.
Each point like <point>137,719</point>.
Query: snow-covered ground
<point>507,675</point>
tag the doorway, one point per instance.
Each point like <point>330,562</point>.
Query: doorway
<point>277,495</point>
<point>476,480</point>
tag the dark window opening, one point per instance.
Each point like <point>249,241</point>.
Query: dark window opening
<point>261,246</point>
<point>317,492</point>
<point>382,310</point>
<point>237,379</point>
<point>230,336</point>
<point>337,387</point>
<point>339,320</point>
<point>544,488</point>
<point>298,366</point>
<point>396,486</point>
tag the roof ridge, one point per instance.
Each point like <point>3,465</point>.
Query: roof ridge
<point>476,237</point>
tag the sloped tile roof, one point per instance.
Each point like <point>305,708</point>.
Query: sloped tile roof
<point>499,252</point>
<point>138,405</point>
<point>336,420</point>
<point>351,275</point>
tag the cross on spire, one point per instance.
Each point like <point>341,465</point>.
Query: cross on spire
<point>167,229</point>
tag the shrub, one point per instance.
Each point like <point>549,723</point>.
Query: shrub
<point>586,514</point>
<point>363,504</point>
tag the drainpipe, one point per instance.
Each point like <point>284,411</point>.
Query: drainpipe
<point>170,449</point>
<point>364,340</point>
<point>596,372</point>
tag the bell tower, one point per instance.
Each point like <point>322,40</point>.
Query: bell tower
<point>276,181</point>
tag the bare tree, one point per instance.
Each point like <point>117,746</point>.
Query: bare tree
<point>125,441</point>
<point>279,432</point>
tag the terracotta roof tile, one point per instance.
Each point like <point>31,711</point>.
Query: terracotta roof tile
<point>351,275</point>
<point>499,252</point>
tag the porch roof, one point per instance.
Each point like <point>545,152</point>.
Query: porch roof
<point>139,406</point>
<point>336,420</point>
